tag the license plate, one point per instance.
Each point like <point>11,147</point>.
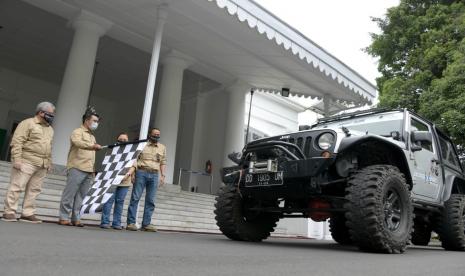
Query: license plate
<point>264,179</point>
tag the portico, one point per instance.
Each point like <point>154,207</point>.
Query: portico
<point>182,66</point>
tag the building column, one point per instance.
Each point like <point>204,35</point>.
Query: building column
<point>75,86</point>
<point>326,105</point>
<point>169,105</point>
<point>162,14</point>
<point>234,134</point>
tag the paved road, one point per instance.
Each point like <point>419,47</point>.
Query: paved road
<point>49,249</point>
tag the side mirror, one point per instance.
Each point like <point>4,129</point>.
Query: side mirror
<point>422,136</point>
<point>235,157</point>
<point>415,147</point>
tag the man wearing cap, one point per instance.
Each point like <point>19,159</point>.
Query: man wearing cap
<point>80,165</point>
<point>31,155</point>
<point>150,172</point>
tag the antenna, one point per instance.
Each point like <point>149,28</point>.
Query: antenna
<point>250,110</point>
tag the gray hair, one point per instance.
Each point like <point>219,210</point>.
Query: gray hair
<point>43,106</point>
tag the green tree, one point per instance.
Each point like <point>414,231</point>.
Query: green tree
<point>421,51</point>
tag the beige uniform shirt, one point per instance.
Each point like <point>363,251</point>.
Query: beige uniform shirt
<point>152,156</point>
<point>81,155</point>
<point>126,182</point>
<point>32,143</point>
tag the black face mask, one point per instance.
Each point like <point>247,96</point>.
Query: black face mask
<point>154,138</point>
<point>48,117</point>
<point>120,141</point>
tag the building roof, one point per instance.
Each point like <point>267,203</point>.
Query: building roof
<point>229,40</point>
<point>279,32</point>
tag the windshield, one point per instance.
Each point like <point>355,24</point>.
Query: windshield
<point>380,124</point>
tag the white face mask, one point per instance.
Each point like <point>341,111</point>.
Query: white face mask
<point>93,126</point>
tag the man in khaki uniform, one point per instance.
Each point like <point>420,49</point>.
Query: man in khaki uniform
<point>81,160</point>
<point>31,155</point>
<point>150,172</point>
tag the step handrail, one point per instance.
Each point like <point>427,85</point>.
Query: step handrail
<point>181,170</point>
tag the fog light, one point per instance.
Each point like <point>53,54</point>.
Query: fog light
<point>326,154</point>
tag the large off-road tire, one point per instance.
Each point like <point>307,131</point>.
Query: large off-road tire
<point>236,223</point>
<point>451,228</point>
<point>421,233</point>
<point>339,230</point>
<point>379,209</point>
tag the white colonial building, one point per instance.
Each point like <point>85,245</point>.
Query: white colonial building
<point>183,66</point>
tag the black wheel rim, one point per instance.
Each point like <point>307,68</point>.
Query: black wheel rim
<point>392,210</point>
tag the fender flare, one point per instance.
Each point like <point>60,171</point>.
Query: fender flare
<point>349,143</point>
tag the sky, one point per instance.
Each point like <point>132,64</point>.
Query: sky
<point>341,27</point>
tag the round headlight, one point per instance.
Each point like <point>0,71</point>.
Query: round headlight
<point>325,141</point>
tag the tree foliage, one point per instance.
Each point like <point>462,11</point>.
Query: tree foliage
<point>421,51</point>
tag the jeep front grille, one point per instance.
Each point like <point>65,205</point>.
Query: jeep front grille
<point>303,144</point>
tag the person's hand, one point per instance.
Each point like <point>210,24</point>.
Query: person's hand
<point>97,147</point>
<point>161,182</point>
<point>129,173</point>
<point>50,168</point>
<point>17,165</point>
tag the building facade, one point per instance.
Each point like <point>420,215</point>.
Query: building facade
<point>183,66</point>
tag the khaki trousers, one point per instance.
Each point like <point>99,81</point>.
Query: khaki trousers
<point>29,179</point>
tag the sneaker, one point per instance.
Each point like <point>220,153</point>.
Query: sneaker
<point>149,228</point>
<point>104,226</point>
<point>64,222</point>
<point>9,217</point>
<point>117,227</point>
<point>77,223</point>
<point>132,227</point>
<point>30,219</point>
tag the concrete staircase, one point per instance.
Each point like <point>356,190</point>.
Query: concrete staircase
<point>175,209</point>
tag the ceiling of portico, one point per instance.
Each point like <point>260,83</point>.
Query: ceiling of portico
<point>224,48</point>
<point>36,43</point>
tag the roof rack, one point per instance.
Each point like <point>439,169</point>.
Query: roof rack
<point>355,114</point>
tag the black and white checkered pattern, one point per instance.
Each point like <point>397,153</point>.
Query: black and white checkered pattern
<point>114,167</point>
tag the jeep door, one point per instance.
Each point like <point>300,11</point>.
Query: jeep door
<point>426,170</point>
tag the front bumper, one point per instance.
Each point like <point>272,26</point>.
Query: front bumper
<point>293,170</point>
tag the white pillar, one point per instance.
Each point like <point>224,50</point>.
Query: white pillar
<point>199,132</point>
<point>169,105</point>
<point>326,104</point>
<point>234,139</point>
<point>327,232</point>
<point>161,19</point>
<point>316,230</point>
<point>75,86</point>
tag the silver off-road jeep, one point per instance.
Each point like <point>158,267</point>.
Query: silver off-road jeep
<point>384,178</point>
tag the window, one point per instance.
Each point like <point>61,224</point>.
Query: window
<point>448,153</point>
<point>416,125</point>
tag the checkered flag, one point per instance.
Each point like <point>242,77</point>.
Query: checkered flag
<point>115,166</point>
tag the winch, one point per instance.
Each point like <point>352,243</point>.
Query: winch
<point>269,165</point>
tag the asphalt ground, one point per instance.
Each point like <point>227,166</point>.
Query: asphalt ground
<point>50,249</point>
